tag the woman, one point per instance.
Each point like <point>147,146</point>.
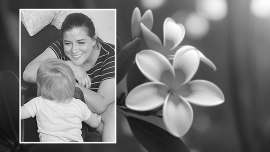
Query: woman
<point>92,62</point>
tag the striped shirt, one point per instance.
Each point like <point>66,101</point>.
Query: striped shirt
<point>104,67</point>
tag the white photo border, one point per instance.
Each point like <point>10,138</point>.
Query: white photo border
<point>20,79</point>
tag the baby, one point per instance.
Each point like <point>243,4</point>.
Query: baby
<point>59,116</point>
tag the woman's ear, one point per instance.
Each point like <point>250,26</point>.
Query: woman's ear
<point>95,41</point>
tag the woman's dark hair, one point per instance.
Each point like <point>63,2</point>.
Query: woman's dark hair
<point>78,20</point>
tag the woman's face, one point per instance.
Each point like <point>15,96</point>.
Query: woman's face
<point>78,45</point>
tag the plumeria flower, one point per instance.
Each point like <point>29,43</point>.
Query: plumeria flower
<point>171,86</point>
<point>173,35</point>
<point>137,19</point>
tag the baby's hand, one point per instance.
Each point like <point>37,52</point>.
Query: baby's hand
<point>80,75</point>
<point>100,127</point>
<point>95,120</point>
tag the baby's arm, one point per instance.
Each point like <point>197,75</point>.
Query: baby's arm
<point>24,113</point>
<point>94,120</point>
<point>29,109</point>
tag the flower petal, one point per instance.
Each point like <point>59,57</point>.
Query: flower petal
<point>203,58</point>
<point>177,115</point>
<point>173,34</point>
<point>186,63</point>
<point>207,61</point>
<point>151,39</point>
<point>155,66</point>
<point>147,19</point>
<point>202,92</point>
<point>135,23</point>
<point>147,96</point>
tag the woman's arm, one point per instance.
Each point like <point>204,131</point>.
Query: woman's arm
<point>99,101</point>
<point>30,72</point>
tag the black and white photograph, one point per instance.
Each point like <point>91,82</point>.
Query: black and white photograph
<point>134,76</point>
<point>68,87</point>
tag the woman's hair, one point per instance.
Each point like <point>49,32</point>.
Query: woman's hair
<point>55,80</point>
<point>78,20</point>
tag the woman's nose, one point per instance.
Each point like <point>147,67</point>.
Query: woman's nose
<point>75,48</point>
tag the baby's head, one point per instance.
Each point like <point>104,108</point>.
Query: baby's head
<point>55,80</point>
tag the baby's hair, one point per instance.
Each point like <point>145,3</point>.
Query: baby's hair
<point>55,80</point>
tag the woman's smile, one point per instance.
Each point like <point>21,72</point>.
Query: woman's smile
<point>76,56</point>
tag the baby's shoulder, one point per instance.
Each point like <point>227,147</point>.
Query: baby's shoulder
<point>36,99</point>
<point>77,102</point>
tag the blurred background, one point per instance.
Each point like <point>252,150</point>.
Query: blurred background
<point>234,34</point>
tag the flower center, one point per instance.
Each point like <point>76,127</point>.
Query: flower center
<point>171,91</point>
<point>184,90</point>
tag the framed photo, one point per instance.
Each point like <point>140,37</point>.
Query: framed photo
<point>67,76</point>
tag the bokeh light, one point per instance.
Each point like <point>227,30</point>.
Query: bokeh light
<point>212,9</point>
<point>152,4</point>
<point>196,26</point>
<point>180,16</point>
<point>260,8</point>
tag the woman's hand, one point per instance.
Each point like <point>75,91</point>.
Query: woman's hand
<point>80,75</point>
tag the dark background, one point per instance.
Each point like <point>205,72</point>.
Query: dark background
<point>238,44</point>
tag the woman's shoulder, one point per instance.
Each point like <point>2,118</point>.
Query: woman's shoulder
<point>56,44</point>
<point>108,47</point>
<point>58,49</point>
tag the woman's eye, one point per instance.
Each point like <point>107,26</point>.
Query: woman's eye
<point>81,42</point>
<point>67,43</point>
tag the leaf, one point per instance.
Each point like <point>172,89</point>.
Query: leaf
<point>121,99</point>
<point>126,57</point>
<point>155,139</point>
